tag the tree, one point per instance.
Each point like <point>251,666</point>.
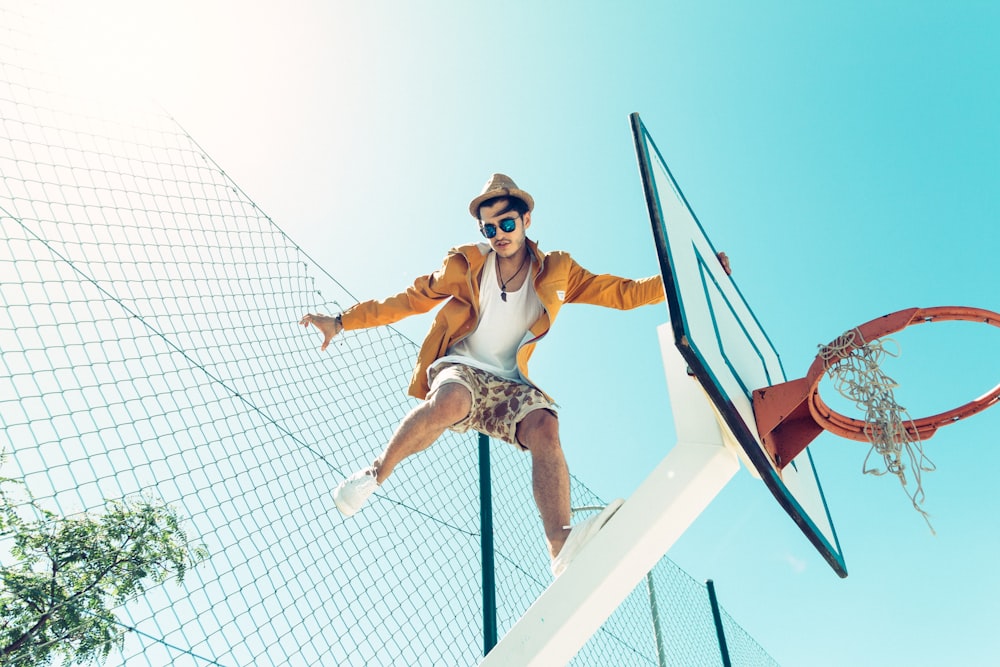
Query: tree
<point>62,577</point>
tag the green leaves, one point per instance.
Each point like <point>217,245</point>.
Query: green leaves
<point>65,575</point>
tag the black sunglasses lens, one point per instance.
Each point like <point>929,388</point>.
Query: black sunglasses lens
<point>508,225</point>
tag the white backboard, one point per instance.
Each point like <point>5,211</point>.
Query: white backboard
<point>725,347</point>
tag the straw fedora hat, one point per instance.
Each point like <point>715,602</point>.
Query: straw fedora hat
<point>499,185</point>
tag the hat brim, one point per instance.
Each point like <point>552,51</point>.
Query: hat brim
<point>500,192</point>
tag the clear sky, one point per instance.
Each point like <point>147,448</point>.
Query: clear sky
<point>845,156</point>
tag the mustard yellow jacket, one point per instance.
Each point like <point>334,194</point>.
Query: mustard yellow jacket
<point>558,280</point>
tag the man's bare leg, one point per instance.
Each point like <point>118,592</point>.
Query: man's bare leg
<point>424,424</point>
<point>539,432</point>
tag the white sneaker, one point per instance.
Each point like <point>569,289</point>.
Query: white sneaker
<point>581,534</point>
<point>354,491</point>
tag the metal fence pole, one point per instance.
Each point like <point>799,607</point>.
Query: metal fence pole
<point>661,654</point>
<point>717,616</point>
<point>486,542</point>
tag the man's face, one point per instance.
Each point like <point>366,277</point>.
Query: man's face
<point>506,244</point>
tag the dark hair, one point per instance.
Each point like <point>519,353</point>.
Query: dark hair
<point>513,204</point>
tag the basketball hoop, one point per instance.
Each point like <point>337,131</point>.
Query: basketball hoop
<point>790,415</point>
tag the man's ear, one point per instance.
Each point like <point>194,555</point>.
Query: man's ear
<point>527,219</point>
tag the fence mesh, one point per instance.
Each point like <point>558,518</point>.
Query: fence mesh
<point>149,345</point>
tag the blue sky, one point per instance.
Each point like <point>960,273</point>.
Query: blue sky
<point>844,156</point>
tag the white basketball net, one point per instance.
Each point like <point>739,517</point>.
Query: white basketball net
<point>854,367</point>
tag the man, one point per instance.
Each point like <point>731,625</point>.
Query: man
<point>499,299</point>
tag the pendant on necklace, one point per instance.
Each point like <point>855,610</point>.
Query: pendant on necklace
<point>503,283</point>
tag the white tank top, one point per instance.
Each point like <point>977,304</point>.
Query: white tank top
<point>503,326</point>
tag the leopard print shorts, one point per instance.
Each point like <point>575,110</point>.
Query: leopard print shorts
<point>498,405</point>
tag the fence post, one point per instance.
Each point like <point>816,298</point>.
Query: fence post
<point>486,545</point>
<point>661,654</point>
<point>717,617</point>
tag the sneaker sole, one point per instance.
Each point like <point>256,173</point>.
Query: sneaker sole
<point>348,509</point>
<point>345,509</point>
<point>595,527</point>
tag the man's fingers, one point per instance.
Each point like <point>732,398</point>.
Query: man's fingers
<point>724,260</point>
<point>327,325</point>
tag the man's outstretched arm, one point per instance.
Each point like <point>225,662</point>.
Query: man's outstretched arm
<point>425,293</point>
<point>612,291</point>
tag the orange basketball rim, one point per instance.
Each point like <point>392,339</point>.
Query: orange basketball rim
<point>791,414</point>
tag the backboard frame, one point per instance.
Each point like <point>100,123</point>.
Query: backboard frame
<point>733,405</point>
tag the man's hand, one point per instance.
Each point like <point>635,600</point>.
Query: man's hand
<point>724,260</point>
<point>327,325</point>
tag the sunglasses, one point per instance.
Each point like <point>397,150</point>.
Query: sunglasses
<point>507,225</point>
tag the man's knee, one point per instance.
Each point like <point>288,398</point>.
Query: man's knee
<point>540,429</point>
<point>451,403</point>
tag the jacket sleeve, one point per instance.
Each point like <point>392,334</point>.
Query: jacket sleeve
<point>425,293</point>
<point>611,291</point>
